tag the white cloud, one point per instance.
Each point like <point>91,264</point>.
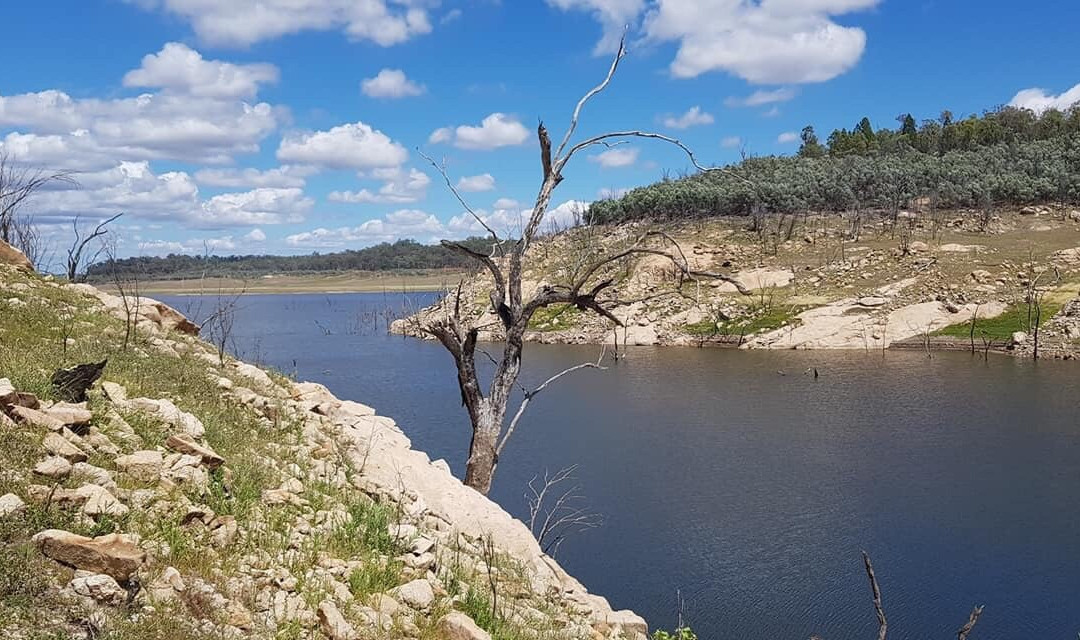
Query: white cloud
<point>771,113</point>
<point>767,42</point>
<point>255,235</point>
<point>405,223</point>
<point>179,68</point>
<point>226,243</point>
<point>613,16</point>
<point>788,137</point>
<point>506,203</point>
<point>165,126</point>
<point>618,157</point>
<point>280,177</point>
<point>762,97</point>
<point>692,118</point>
<point>245,22</point>
<point>1038,100</point>
<point>349,146</point>
<point>390,83</point>
<point>398,187</point>
<point>472,184</point>
<point>508,222</point>
<point>496,130</point>
<point>731,142</point>
<point>258,206</point>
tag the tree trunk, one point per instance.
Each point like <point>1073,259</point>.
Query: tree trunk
<point>480,468</point>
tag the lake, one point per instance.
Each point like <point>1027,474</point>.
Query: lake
<point>738,485</point>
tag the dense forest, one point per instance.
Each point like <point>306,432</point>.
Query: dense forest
<point>400,255</point>
<point>1007,156</point>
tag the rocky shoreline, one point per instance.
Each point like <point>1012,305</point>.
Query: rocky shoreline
<point>445,542</point>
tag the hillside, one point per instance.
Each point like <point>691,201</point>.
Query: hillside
<point>400,256</point>
<point>917,282</point>
<point>198,497</point>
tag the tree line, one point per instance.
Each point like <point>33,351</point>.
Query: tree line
<point>1008,156</point>
<point>401,255</point>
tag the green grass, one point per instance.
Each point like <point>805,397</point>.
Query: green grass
<point>557,317</point>
<point>1002,327</point>
<point>760,319</point>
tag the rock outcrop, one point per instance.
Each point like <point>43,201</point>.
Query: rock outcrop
<point>9,255</point>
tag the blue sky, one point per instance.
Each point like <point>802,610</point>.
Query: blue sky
<point>291,126</point>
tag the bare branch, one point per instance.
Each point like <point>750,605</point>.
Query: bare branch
<point>529,395</point>
<point>75,252</point>
<point>551,521</point>
<point>450,185</point>
<point>883,625</point>
<point>619,55</point>
<point>962,634</point>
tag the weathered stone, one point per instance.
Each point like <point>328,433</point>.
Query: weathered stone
<point>96,475</point>
<point>8,395</point>
<point>182,469</point>
<point>169,413</point>
<point>36,418</point>
<point>418,594</point>
<point>55,495</point>
<point>167,587</point>
<point>11,504</point>
<point>223,531</point>
<point>100,587</point>
<point>144,466</point>
<point>11,256</point>
<point>333,624</point>
<point>1019,338</point>
<point>58,446</point>
<point>872,301</point>
<point>113,554</point>
<point>458,626</point>
<point>186,444</point>
<point>114,393</point>
<point>71,415</point>
<point>281,496</point>
<point>99,502</point>
<point>53,467</point>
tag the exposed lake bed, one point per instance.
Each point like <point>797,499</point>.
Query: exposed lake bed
<point>737,482</point>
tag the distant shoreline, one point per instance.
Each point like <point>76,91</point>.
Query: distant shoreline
<point>357,282</point>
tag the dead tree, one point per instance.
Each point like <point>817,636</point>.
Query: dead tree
<point>76,259</point>
<point>879,609</point>
<point>589,289</point>
<point>556,512</point>
<point>18,184</point>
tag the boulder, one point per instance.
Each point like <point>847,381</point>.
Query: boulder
<point>100,587</point>
<point>58,446</point>
<point>333,624</point>
<point>114,393</point>
<point>167,587</point>
<point>11,504</point>
<point>144,466</point>
<point>169,413</point>
<point>36,418</point>
<point>418,594</point>
<point>458,626</point>
<point>71,415</point>
<point>1019,338</point>
<point>99,502</point>
<point>11,256</point>
<point>53,467</point>
<point>184,443</point>
<point>8,395</point>
<point>114,554</point>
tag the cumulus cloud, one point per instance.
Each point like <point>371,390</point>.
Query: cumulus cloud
<point>496,130</point>
<point>245,22</point>
<point>391,83</point>
<point>762,97</point>
<point>692,118</point>
<point>767,42</point>
<point>281,177</point>
<point>399,187</point>
<point>148,127</point>
<point>730,142</point>
<point>473,184</point>
<point>788,137</point>
<point>348,146</point>
<point>258,206</point>
<point>1038,100</point>
<point>405,223</point>
<point>255,235</point>
<point>227,243</point>
<point>615,158</point>
<point>179,68</point>
<point>506,203</point>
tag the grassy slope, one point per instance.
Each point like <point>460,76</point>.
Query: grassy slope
<point>32,346</point>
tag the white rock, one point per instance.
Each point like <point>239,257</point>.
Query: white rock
<point>418,594</point>
<point>11,504</point>
<point>333,623</point>
<point>53,467</point>
<point>99,587</point>
<point>458,626</point>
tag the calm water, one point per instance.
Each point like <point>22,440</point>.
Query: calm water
<point>751,493</point>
